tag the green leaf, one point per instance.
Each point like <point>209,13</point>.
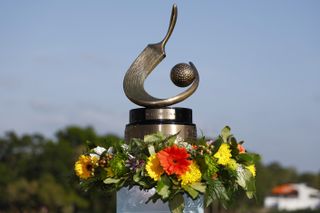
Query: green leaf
<point>136,144</point>
<point>171,139</point>
<point>233,142</point>
<point>136,177</point>
<point>242,176</point>
<point>208,199</point>
<point>256,157</point>
<point>225,133</point>
<point>250,194</point>
<point>111,180</point>
<point>121,183</point>
<point>193,193</point>
<point>201,187</point>
<point>201,141</point>
<point>163,191</point>
<point>153,138</point>
<point>246,181</point>
<point>175,181</point>
<point>248,158</point>
<point>163,187</point>
<point>176,205</point>
<point>216,191</point>
<point>151,150</point>
<point>217,143</point>
<point>90,144</point>
<point>209,167</point>
<point>220,191</point>
<point>153,198</point>
<point>144,184</point>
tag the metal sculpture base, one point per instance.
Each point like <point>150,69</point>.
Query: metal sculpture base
<point>169,121</point>
<point>133,201</point>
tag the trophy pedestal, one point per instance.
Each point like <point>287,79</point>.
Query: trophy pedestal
<point>169,121</point>
<point>133,201</point>
<point>145,121</point>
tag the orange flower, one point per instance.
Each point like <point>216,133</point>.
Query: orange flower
<point>174,160</point>
<point>241,148</point>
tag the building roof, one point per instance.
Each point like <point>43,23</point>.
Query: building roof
<point>284,189</point>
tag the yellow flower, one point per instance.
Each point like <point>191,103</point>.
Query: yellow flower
<point>232,164</point>
<point>154,168</point>
<point>85,165</point>
<point>192,175</point>
<point>252,169</point>
<point>223,154</point>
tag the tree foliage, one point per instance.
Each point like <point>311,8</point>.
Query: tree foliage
<point>37,173</point>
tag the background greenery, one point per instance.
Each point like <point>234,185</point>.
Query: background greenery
<point>36,175</point>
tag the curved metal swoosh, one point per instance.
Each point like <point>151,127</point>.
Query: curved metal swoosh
<point>149,58</point>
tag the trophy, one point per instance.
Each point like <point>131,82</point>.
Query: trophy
<point>155,115</point>
<point>162,166</point>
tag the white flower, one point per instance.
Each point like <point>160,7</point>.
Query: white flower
<point>209,142</point>
<point>97,151</point>
<point>184,144</point>
<point>110,150</point>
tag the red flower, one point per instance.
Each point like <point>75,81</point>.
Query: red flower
<point>174,160</point>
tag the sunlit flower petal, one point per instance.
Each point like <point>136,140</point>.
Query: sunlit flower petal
<point>174,160</point>
<point>154,168</point>
<point>223,154</point>
<point>192,175</point>
<point>232,164</point>
<point>85,165</point>
<point>252,169</point>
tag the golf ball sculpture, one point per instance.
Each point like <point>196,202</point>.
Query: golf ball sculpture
<point>182,75</point>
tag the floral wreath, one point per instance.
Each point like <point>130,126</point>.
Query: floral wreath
<point>214,168</point>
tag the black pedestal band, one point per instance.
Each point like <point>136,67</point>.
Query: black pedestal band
<point>161,116</point>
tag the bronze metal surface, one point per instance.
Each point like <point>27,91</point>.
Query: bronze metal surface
<point>186,132</point>
<point>162,114</point>
<point>149,58</point>
<point>182,75</point>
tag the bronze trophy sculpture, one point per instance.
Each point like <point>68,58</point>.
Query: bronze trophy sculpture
<point>157,116</point>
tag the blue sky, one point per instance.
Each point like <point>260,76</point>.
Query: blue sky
<point>63,62</point>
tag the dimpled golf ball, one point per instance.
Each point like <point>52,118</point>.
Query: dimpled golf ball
<point>182,75</point>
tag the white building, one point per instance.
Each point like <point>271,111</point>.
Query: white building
<point>292,197</point>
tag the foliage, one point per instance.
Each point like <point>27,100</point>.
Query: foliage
<point>36,177</point>
<point>214,168</point>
